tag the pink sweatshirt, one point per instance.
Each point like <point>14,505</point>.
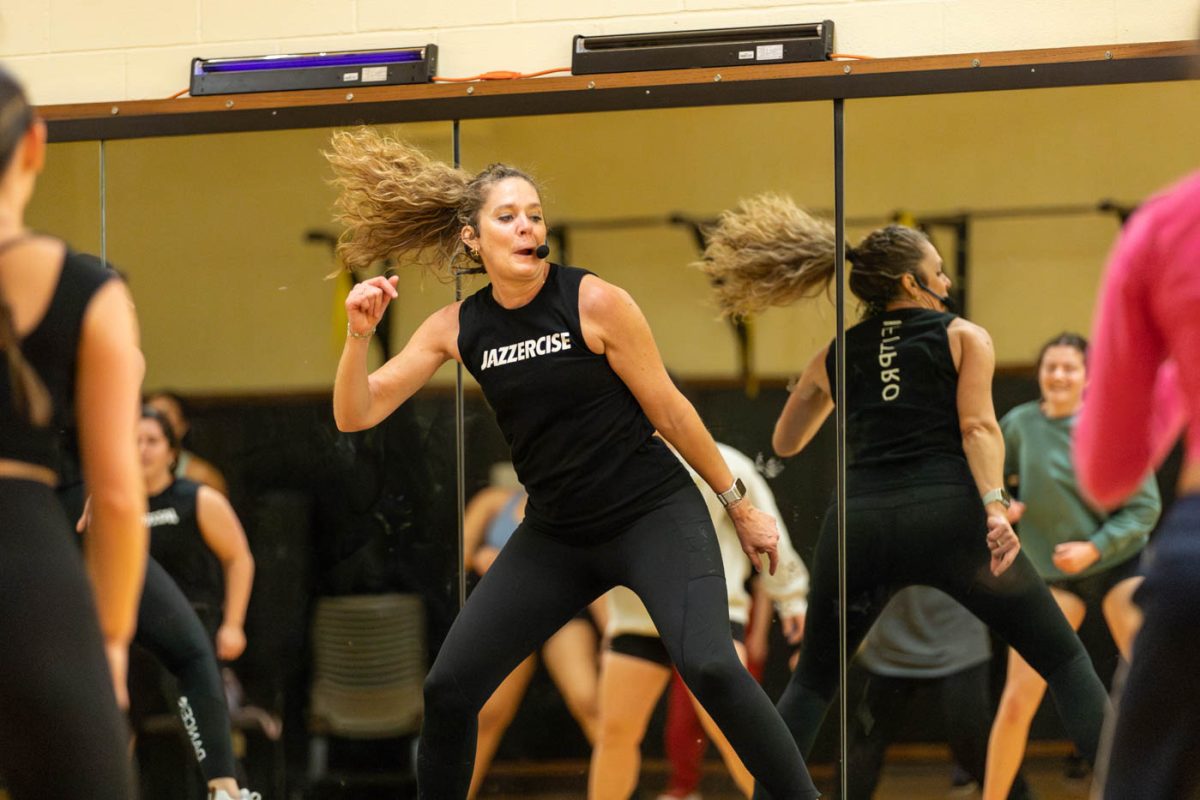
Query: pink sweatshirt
<point>1144,360</point>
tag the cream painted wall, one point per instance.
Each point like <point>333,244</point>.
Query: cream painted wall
<point>210,229</point>
<point>75,51</point>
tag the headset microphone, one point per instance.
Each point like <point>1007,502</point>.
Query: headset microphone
<point>946,300</point>
<point>542,250</point>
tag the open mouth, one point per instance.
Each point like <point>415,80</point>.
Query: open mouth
<point>525,251</point>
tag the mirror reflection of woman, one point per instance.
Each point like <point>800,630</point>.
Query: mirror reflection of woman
<point>70,346</point>
<point>189,523</point>
<point>1089,557</point>
<point>198,539</point>
<point>924,478</point>
<point>569,365</point>
<point>569,655</point>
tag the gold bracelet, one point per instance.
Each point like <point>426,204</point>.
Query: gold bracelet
<point>354,335</point>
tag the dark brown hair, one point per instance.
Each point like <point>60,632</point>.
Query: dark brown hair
<point>29,394</point>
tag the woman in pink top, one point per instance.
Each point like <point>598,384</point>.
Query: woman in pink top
<point>1145,383</point>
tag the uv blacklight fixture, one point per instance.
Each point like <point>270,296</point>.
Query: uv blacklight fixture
<point>719,47</point>
<point>280,73</point>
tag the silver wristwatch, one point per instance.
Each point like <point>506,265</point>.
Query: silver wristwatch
<point>733,494</point>
<point>1000,496</point>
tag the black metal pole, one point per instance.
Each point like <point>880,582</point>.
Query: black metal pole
<point>839,272</point>
<point>460,444</point>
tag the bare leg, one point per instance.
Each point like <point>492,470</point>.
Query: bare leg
<point>1123,616</point>
<point>1023,692</point>
<point>737,770</point>
<point>495,717</point>
<point>629,690</point>
<point>570,658</point>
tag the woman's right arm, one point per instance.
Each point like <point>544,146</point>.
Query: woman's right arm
<point>362,400</point>
<point>982,441</point>
<point>107,395</point>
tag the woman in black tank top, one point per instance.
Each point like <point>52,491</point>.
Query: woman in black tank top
<point>196,536</point>
<point>924,478</point>
<point>69,343</point>
<point>570,367</point>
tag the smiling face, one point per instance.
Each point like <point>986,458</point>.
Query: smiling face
<point>510,228</point>
<point>1061,376</point>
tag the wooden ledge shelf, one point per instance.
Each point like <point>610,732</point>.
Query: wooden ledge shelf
<point>826,80</point>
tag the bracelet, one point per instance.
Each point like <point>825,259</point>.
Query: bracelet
<point>354,335</point>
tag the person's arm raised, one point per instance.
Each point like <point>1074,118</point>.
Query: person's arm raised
<point>613,325</point>
<point>362,400</point>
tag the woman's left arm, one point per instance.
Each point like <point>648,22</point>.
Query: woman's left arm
<point>223,533</point>
<point>613,325</point>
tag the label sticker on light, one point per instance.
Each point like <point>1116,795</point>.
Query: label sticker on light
<point>374,74</point>
<point>770,52</point>
<point>745,55</point>
<point>349,76</point>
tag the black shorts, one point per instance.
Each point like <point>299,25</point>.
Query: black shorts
<point>1094,588</point>
<point>650,648</point>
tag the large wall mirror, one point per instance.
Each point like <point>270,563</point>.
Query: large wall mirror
<point>1023,194</point>
<point>630,196</point>
<point>226,241</point>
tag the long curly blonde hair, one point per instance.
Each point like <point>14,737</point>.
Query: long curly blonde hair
<point>769,252</point>
<point>397,202</point>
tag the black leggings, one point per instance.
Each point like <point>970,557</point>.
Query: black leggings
<point>885,707</point>
<point>934,535</point>
<point>1155,752</point>
<point>169,628</point>
<point>671,560</point>
<point>61,734</point>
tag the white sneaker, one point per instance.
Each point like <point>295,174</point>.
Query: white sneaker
<point>245,794</point>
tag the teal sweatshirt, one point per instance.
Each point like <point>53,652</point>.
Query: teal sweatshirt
<point>1037,454</point>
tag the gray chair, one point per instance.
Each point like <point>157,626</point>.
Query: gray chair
<point>368,672</point>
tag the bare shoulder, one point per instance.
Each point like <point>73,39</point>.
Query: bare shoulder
<point>968,332</point>
<point>441,328</point>
<point>599,298</point>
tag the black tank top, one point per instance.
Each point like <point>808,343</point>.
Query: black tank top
<point>902,402</point>
<point>177,544</point>
<point>52,348</point>
<point>582,446</point>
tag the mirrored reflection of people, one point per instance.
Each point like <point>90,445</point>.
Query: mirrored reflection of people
<point>188,464</point>
<point>70,346</point>
<point>924,481</point>
<point>636,668</point>
<point>1089,557</point>
<point>569,366</point>
<point>197,538</point>
<point>492,516</point>
<point>1144,385</point>
<point>923,643</point>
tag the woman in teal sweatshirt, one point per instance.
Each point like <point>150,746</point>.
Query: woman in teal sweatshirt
<point>1087,556</point>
